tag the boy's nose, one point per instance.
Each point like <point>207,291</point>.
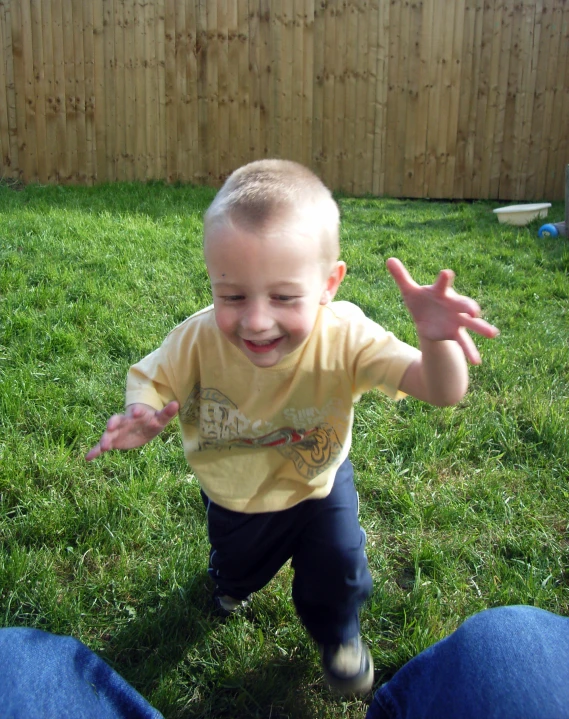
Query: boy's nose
<point>257,318</point>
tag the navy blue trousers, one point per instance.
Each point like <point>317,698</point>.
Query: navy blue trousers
<point>327,546</point>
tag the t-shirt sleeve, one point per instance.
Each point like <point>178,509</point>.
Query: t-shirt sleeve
<point>148,381</point>
<point>375,357</point>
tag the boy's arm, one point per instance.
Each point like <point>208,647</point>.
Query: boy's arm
<point>442,318</point>
<point>138,425</point>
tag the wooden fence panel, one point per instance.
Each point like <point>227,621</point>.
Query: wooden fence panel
<point>468,99</point>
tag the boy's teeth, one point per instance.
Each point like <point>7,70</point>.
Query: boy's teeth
<point>261,342</point>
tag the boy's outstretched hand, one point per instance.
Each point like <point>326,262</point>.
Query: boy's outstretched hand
<point>439,312</point>
<point>136,427</point>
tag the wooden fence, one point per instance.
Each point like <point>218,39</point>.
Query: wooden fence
<point>421,98</point>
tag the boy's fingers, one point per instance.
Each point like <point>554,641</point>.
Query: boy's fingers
<point>114,422</point>
<point>168,413</point>
<point>481,327</point>
<point>444,281</point>
<point>468,347</point>
<point>93,453</point>
<point>399,273</point>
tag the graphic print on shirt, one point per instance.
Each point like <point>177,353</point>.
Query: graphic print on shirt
<point>222,425</point>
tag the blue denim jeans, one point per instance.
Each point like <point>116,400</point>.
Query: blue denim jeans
<point>504,663</point>
<point>507,663</point>
<point>45,676</point>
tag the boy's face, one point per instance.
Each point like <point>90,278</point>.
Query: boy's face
<point>267,290</point>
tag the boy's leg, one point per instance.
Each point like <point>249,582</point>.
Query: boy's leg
<point>247,550</point>
<point>332,579</point>
<point>504,663</point>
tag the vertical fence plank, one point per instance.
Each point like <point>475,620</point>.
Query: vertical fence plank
<point>4,144</point>
<point>454,102</point>
<point>348,159</point>
<point>380,104</point>
<point>118,57</point>
<point>338,116</point>
<point>479,103</point>
<point>62,160</point>
<point>525,92</point>
<point>267,112</point>
<point>29,93</point>
<point>511,126</point>
<point>561,186</point>
<point>358,155</point>
<point>464,100</point>
<point>162,131</point>
<point>131,89</point>
<point>541,117</point>
<point>395,118</point>
<point>330,50</point>
<point>371,82</point>
<point>114,100</point>
<point>203,108</point>
<point>119,101</point>
<point>245,79</point>
<point>50,107</point>
<point>307,20</point>
<point>70,105</point>
<point>19,87</point>
<point>417,99</point>
<point>151,111</point>
<point>79,100</point>
<point>557,151</point>
<point>171,120</point>
<point>14,170</point>
<point>532,41</point>
<point>223,110</point>
<point>497,141</point>
<point>100,170</point>
<point>318,89</point>
<point>297,69</point>
<point>5,159</point>
<point>434,81</point>
<point>256,69</point>
<point>444,74</point>
<point>212,93</point>
<point>286,96</point>
<point>192,92</point>
<point>180,89</point>
<point>474,145</point>
<point>271,120</point>
<point>89,71</point>
<point>140,128</point>
<point>235,139</point>
<point>39,89</point>
<point>488,93</point>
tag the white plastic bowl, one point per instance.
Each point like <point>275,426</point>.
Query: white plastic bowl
<point>522,214</point>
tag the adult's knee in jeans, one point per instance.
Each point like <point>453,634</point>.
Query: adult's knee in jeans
<point>504,622</point>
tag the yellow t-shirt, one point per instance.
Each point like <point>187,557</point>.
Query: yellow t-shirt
<point>261,439</point>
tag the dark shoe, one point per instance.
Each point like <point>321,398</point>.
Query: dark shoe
<point>226,605</point>
<point>348,667</point>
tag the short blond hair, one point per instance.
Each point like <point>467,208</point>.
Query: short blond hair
<point>266,192</point>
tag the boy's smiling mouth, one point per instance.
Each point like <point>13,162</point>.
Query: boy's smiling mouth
<point>261,346</point>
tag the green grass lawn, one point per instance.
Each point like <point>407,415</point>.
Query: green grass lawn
<point>464,507</point>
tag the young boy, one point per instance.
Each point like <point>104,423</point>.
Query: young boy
<point>265,381</point>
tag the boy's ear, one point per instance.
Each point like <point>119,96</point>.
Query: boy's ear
<point>333,281</point>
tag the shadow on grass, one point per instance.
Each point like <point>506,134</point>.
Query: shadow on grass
<point>175,656</point>
<point>160,635</point>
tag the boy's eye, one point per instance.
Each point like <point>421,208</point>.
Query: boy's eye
<point>284,298</point>
<point>233,298</point>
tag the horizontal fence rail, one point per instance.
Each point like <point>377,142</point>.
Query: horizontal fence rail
<point>423,98</point>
